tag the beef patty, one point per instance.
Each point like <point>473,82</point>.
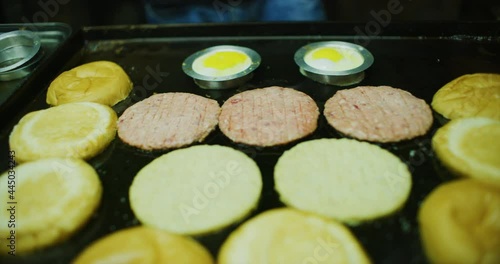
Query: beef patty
<point>168,120</point>
<point>268,116</point>
<point>380,114</point>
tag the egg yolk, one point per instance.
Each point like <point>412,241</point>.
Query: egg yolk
<point>327,53</point>
<point>224,60</point>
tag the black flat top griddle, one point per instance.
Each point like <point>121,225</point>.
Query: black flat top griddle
<point>419,58</point>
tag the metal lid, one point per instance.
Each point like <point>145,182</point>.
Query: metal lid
<point>17,48</point>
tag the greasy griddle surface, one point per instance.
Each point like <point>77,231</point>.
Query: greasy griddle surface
<point>418,65</point>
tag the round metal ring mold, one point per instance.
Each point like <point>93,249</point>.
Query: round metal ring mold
<point>221,82</point>
<point>340,78</point>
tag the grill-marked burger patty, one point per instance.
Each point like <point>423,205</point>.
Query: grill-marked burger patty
<point>268,116</point>
<point>168,120</point>
<point>380,114</point>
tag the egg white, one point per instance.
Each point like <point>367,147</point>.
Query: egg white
<point>351,59</point>
<point>200,68</point>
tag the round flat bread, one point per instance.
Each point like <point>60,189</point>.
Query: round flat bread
<point>52,199</point>
<point>172,194</point>
<point>268,116</point>
<point>76,130</point>
<point>168,120</point>
<point>470,95</point>
<point>102,82</point>
<point>470,147</point>
<point>291,236</point>
<point>459,223</point>
<point>379,114</point>
<point>344,179</point>
<point>144,245</point>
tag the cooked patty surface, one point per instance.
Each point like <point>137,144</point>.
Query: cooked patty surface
<point>268,116</point>
<point>168,120</point>
<point>380,114</point>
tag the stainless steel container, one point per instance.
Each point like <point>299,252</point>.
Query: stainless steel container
<point>17,48</point>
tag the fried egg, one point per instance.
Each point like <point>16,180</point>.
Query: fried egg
<point>221,63</point>
<point>333,58</point>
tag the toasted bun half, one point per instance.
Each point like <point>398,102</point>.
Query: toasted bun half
<point>144,245</point>
<point>460,223</point>
<point>52,199</point>
<point>343,179</point>
<point>470,95</point>
<point>290,236</point>
<point>470,147</point>
<point>77,130</point>
<point>103,82</point>
<point>196,190</point>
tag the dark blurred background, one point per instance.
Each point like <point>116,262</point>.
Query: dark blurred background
<point>79,13</point>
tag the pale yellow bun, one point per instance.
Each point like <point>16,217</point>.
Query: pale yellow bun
<point>77,130</point>
<point>290,236</point>
<point>470,95</point>
<point>144,245</point>
<point>53,199</point>
<point>103,82</point>
<point>470,147</point>
<point>460,223</point>
<point>196,190</point>
<point>344,179</point>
